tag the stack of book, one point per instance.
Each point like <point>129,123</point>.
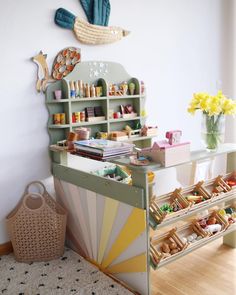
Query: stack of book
<point>102,149</point>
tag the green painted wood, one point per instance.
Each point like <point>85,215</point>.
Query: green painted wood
<point>56,133</point>
<point>59,157</point>
<point>57,101</point>
<point>123,97</point>
<point>118,191</point>
<point>231,161</point>
<point>226,148</point>
<point>58,126</point>
<point>124,119</point>
<point>87,99</point>
<point>230,239</point>
<point>114,73</point>
<point>88,123</point>
<point>140,179</point>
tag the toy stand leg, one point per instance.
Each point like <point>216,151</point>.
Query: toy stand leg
<point>230,239</point>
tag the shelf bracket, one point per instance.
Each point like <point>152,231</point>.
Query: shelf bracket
<point>230,239</point>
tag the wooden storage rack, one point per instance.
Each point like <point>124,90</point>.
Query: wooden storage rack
<point>139,178</point>
<point>160,219</point>
<point>137,197</point>
<point>82,71</point>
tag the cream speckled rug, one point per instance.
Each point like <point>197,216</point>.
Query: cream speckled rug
<point>70,274</point>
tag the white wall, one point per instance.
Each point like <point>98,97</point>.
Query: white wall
<point>174,47</point>
<point>229,66</point>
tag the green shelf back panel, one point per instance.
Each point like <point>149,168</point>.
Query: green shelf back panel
<point>99,73</point>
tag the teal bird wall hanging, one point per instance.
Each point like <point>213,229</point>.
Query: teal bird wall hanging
<point>96,30</point>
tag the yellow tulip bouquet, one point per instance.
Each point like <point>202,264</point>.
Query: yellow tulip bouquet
<point>213,108</point>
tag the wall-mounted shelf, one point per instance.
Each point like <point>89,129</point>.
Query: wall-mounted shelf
<point>87,99</point>
<point>124,96</point>
<point>88,123</point>
<point>124,119</point>
<point>61,126</point>
<point>57,101</point>
<point>115,74</point>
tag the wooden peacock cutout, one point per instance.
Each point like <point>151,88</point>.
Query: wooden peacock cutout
<point>96,30</point>
<point>63,64</point>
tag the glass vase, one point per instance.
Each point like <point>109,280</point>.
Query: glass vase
<point>213,131</point>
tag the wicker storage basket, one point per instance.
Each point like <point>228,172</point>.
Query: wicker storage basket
<point>37,227</point>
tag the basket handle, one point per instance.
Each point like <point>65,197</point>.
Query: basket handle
<point>35,182</point>
<point>26,198</point>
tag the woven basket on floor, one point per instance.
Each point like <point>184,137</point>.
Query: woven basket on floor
<point>37,227</point>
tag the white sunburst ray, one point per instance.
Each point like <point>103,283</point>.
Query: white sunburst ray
<point>79,197</point>
<point>73,223</point>
<point>100,212</point>
<point>92,219</point>
<point>77,212</point>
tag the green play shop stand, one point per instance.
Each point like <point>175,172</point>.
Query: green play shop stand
<point>109,222</point>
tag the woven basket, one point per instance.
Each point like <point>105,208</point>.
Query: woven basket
<point>37,227</point>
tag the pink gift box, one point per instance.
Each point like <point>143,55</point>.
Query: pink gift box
<point>168,155</point>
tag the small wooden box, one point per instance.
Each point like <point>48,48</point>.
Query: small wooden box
<point>96,119</point>
<point>168,155</point>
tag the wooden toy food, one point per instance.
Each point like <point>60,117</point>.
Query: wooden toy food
<point>173,245</point>
<point>211,224</point>
<point>222,212</point>
<point>174,251</point>
<point>229,214</point>
<point>196,194</point>
<point>231,180</point>
<point>211,220</point>
<point>131,88</point>
<point>233,215</point>
<point>167,245</point>
<point>168,206</point>
<point>195,198</point>
<point>213,228</point>
<point>165,248</point>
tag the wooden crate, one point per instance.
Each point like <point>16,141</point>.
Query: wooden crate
<point>174,198</point>
<point>220,220</point>
<point>201,191</point>
<point>157,252</point>
<point>229,177</point>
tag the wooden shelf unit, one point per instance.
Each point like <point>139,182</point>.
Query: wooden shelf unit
<point>139,178</point>
<point>115,74</point>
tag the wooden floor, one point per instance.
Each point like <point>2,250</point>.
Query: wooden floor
<point>210,270</point>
